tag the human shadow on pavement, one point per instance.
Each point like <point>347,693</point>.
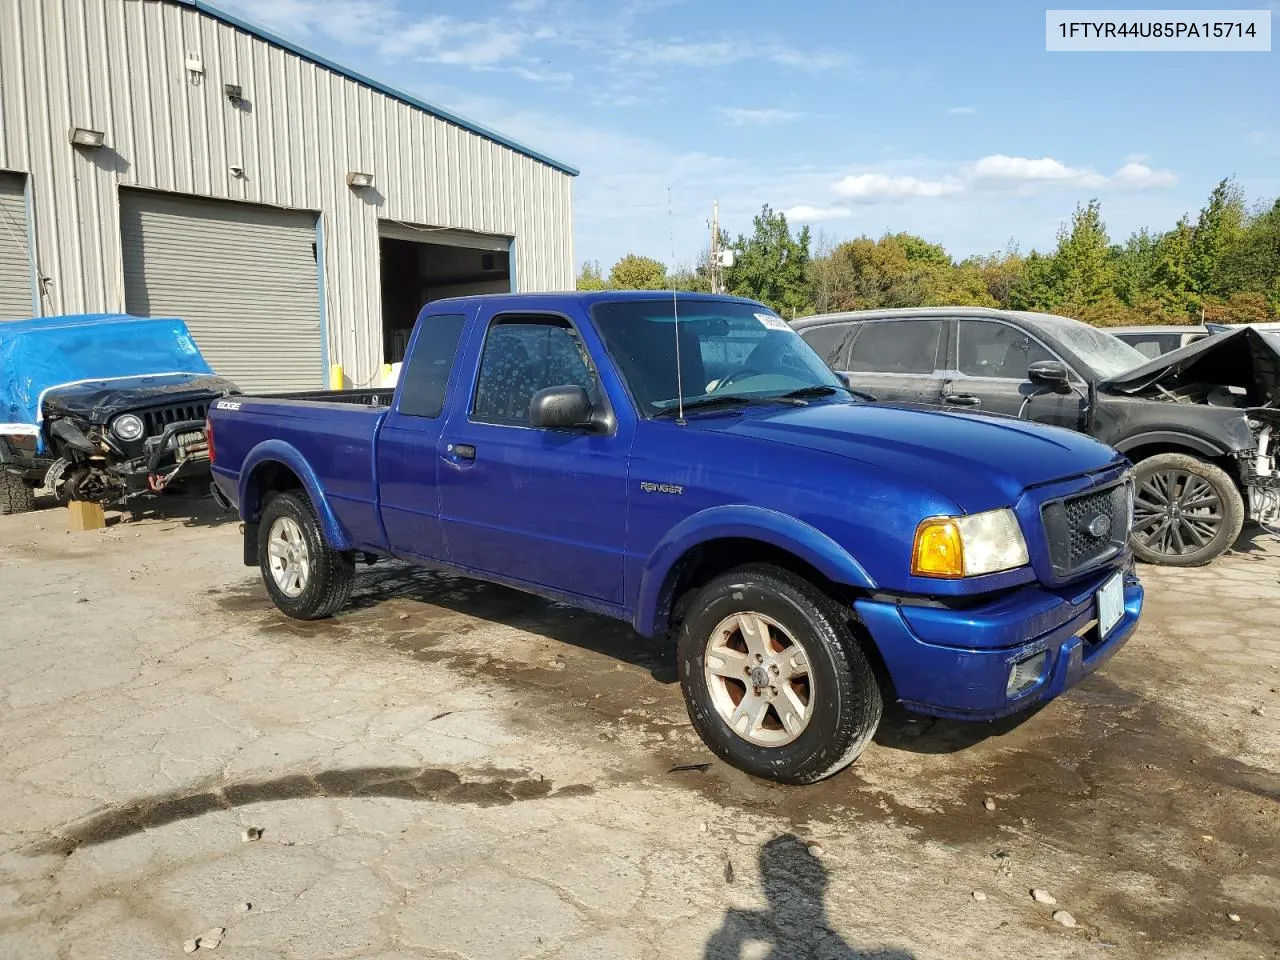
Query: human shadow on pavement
<point>795,924</point>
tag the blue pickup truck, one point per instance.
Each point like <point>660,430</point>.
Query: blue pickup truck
<point>689,465</point>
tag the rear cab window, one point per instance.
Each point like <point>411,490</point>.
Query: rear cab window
<point>426,374</point>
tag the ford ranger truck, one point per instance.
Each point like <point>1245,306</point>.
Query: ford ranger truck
<point>687,464</point>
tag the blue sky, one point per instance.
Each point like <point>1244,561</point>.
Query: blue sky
<point>947,119</point>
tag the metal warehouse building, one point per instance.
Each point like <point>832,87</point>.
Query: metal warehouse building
<point>161,157</point>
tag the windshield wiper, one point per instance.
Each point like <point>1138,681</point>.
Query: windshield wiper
<point>728,399</point>
<point>823,390</point>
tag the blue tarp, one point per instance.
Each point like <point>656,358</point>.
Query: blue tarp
<point>44,353</point>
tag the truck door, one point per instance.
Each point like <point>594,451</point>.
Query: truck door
<point>407,444</point>
<point>539,506</point>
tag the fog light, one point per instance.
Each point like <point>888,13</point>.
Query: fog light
<point>1026,673</point>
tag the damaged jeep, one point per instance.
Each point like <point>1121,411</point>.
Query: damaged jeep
<point>1201,423</point>
<point>102,408</point>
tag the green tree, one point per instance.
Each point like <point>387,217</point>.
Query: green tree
<point>1254,264</point>
<point>590,278</point>
<point>1218,231</point>
<point>1135,262</point>
<point>1174,284</point>
<point>771,265</point>
<point>634,272</point>
<point>1083,270</point>
<point>1036,287</point>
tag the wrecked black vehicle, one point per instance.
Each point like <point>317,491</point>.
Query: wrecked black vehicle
<point>1200,423</point>
<point>102,408</point>
<point>1222,397</point>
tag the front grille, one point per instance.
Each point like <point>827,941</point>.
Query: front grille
<point>1087,529</point>
<point>158,419</point>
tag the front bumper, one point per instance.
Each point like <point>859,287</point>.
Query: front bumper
<point>952,662</point>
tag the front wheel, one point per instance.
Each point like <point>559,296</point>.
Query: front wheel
<point>306,578</point>
<point>774,682</point>
<point>1185,511</point>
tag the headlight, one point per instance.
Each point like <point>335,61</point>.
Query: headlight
<point>952,547</point>
<point>127,427</point>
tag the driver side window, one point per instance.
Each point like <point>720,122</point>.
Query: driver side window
<point>996,350</point>
<point>522,356</point>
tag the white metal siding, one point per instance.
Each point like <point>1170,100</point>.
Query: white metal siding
<point>119,66</point>
<point>15,265</point>
<point>242,276</point>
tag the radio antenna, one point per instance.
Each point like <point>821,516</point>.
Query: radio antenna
<point>675,315</point>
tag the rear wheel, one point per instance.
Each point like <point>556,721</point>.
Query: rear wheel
<point>16,495</point>
<point>1185,511</point>
<point>774,682</point>
<point>306,578</point>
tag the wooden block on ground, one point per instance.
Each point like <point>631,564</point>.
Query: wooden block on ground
<point>85,516</point>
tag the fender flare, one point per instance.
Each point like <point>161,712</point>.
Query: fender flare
<point>741,522</point>
<point>1200,445</point>
<point>277,451</point>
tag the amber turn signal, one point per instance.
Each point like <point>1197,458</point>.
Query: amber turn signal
<point>938,551</point>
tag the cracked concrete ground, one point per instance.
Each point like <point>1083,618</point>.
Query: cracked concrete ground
<point>454,770</point>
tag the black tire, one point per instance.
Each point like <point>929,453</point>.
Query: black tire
<point>16,495</point>
<point>845,700</point>
<point>1186,511</point>
<point>330,572</point>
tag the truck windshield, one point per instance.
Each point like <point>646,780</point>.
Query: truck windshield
<point>728,350</point>
<point>1106,355</point>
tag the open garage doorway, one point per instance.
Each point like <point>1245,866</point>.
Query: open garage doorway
<point>421,264</point>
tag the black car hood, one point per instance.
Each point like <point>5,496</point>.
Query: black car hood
<point>1241,358</point>
<point>99,400</point>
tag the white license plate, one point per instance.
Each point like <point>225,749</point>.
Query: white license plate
<point>1110,605</point>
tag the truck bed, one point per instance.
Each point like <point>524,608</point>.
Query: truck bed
<point>327,432</point>
<point>376,397</point>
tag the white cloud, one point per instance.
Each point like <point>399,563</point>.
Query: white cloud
<point>962,111</point>
<point>999,169</point>
<point>872,187</point>
<point>762,117</point>
<point>724,51</point>
<point>807,214</point>
<point>1140,176</point>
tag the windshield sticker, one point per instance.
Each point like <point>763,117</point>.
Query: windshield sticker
<point>185,343</point>
<point>771,322</point>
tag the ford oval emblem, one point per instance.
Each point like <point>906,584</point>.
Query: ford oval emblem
<point>1099,526</point>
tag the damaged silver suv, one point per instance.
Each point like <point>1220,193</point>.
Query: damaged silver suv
<point>1202,423</point>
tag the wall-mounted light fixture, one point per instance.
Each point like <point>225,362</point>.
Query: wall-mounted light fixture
<point>233,92</point>
<point>83,137</point>
<point>359,179</point>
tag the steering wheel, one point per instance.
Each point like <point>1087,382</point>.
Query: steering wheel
<point>737,375</point>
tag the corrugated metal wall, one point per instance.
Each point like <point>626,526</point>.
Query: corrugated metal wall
<point>120,66</point>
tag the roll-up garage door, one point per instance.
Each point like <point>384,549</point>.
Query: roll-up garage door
<point>15,264</point>
<point>242,276</point>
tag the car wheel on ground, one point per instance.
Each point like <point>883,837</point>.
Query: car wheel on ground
<point>1185,512</point>
<point>16,495</point>
<point>775,683</point>
<point>306,578</point>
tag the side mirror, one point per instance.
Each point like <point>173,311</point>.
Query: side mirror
<point>560,407</point>
<point>843,378</point>
<point>1048,373</point>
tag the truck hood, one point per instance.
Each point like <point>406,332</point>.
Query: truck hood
<point>980,461</point>
<point>97,401</point>
<point>1242,358</point>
